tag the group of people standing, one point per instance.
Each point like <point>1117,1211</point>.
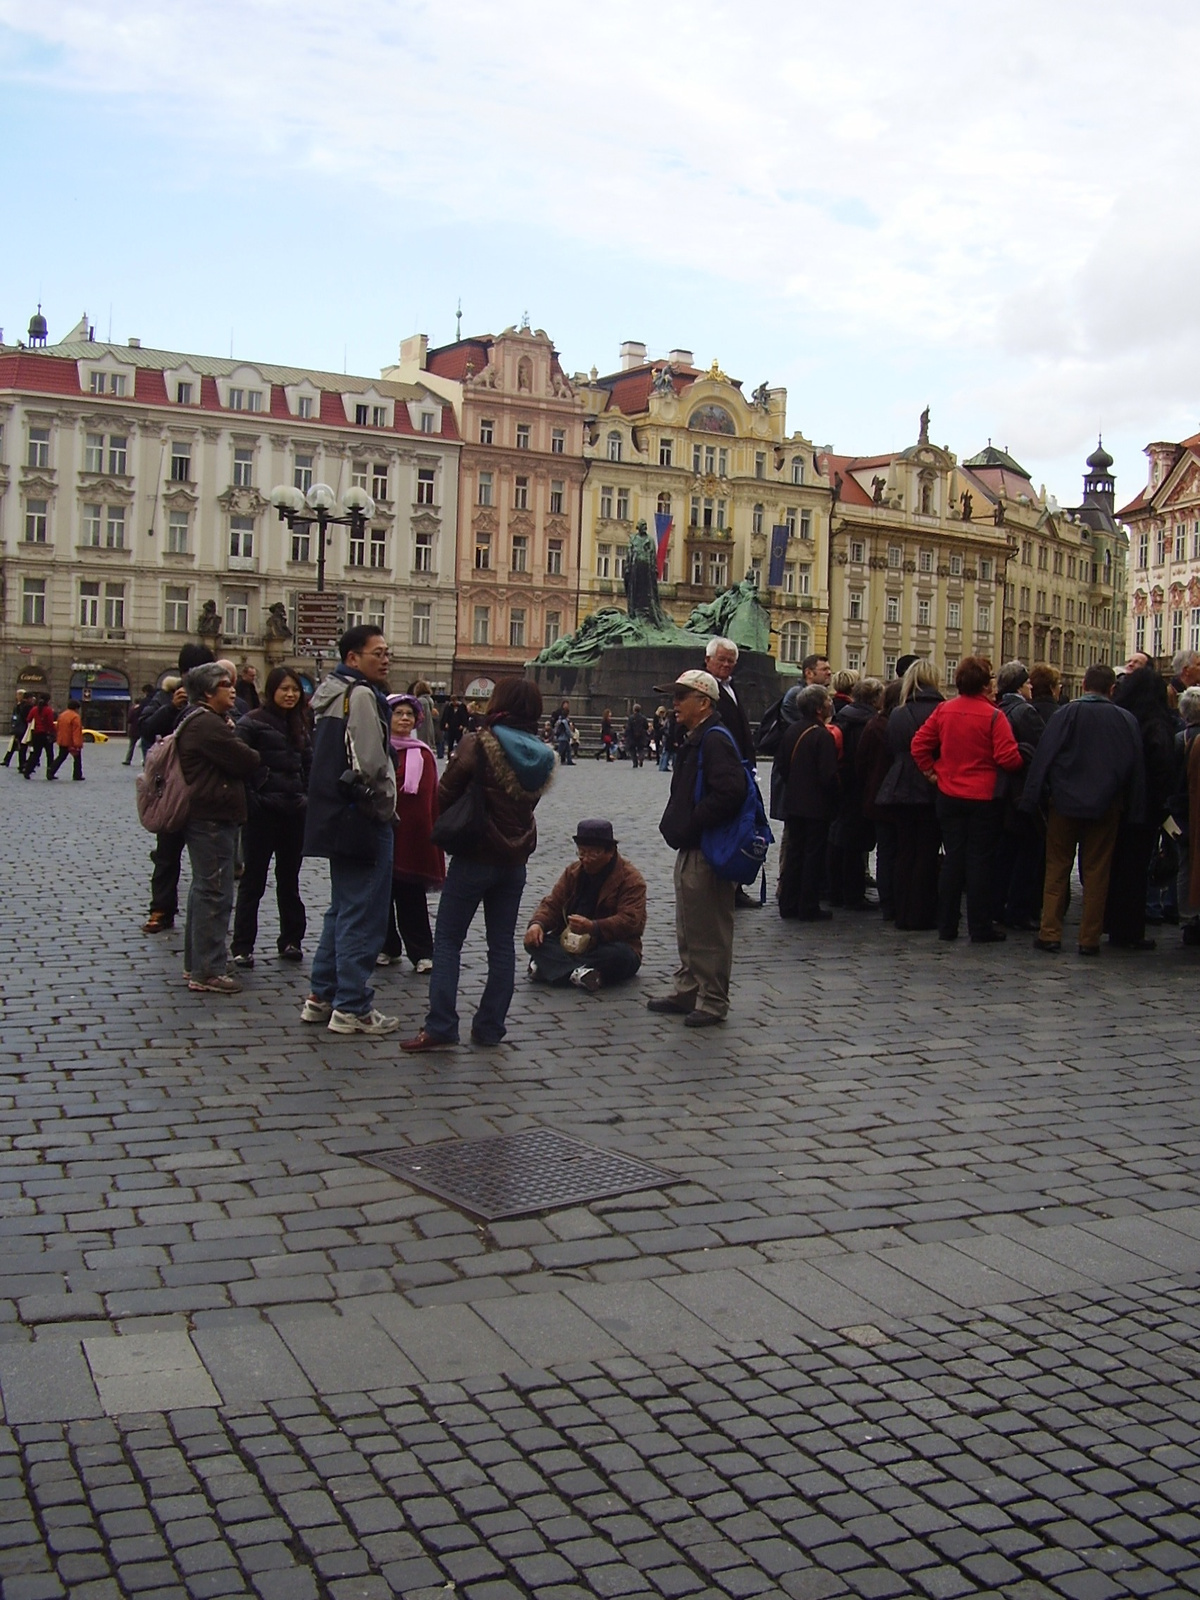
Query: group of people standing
<point>990,792</point>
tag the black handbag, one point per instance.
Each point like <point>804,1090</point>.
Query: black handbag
<point>459,829</point>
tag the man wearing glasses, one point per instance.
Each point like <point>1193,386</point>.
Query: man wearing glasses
<point>703,902</point>
<point>351,804</point>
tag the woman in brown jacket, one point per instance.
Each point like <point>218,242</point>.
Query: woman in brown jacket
<point>513,768</point>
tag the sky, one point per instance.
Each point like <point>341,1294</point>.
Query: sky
<point>971,206</point>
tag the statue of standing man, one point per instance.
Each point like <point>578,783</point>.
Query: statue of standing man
<point>641,579</point>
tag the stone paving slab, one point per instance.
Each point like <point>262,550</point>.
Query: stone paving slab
<point>918,1313</point>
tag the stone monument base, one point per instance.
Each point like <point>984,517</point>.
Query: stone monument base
<point>628,673</point>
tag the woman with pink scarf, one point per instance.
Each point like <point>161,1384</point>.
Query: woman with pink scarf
<point>418,864</point>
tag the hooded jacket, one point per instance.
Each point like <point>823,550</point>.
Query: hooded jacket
<point>516,769</point>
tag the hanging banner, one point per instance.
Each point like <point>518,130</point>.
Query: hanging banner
<point>779,549</point>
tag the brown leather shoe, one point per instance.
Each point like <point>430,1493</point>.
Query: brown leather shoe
<point>427,1041</point>
<point>158,922</point>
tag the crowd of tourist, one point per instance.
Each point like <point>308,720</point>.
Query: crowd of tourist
<point>896,800</point>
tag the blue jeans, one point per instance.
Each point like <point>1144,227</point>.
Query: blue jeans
<point>499,888</point>
<point>355,926</point>
<point>210,848</point>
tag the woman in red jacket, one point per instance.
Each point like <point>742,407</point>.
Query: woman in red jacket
<point>965,747</point>
<point>418,863</point>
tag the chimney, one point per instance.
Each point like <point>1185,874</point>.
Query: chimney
<point>135,344</point>
<point>633,354</point>
<point>415,349</point>
<point>680,358</point>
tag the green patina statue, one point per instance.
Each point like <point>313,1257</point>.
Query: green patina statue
<point>736,614</point>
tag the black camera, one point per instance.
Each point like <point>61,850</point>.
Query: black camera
<point>354,788</point>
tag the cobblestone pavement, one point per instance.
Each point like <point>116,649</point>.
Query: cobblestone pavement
<point>918,1316</point>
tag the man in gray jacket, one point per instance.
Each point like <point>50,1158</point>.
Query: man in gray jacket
<point>1090,758</point>
<point>351,804</point>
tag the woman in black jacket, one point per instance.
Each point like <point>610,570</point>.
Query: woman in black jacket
<point>278,730</point>
<point>909,799</point>
<point>807,789</point>
<point>1144,695</point>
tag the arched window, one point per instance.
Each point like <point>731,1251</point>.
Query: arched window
<point>797,470</point>
<point>756,522</point>
<point>1023,641</point>
<point>614,446</point>
<point>664,505</point>
<point>793,641</point>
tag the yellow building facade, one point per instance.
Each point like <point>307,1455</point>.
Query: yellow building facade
<point>664,438</point>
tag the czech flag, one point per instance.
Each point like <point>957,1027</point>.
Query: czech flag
<point>662,530</point>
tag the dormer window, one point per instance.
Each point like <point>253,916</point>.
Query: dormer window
<point>360,416</point>
<point>245,400</point>
<point>304,407</point>
<point>107,383</point>
<point>426,420</point>
<point>614,446</point>
<point>183,394</point>
<point>379,418</point>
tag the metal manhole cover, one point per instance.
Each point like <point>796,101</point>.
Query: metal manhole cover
<point>517,1173</point>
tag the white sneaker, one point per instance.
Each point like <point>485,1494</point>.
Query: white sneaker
<point>384,960</point>
<point>425,964</point>
<point>587,978</point>
<point>373,1022</point>
<point>315,1010</point>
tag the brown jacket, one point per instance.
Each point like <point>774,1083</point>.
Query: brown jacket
<point>214,761</point>
<point>620,908</point>
<point>509,831</point>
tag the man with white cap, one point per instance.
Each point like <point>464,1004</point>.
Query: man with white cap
<point>708,787</point>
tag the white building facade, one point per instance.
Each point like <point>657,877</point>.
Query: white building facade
<point>133,503</point>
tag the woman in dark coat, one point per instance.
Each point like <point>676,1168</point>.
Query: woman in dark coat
<point>418,863</point>
<point>873,761</point>
<point>278,798</point>
<point>1144,695</point>
<point>909,799</point>
<point>807,790</point>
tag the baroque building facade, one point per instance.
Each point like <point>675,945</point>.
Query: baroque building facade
<point>1164,524</point>
<point>668,440</point>
<point>522,473</point>
<point>939,558</point>
<point>133,504</point>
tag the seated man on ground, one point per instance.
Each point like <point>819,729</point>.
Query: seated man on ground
<point>588,930</point>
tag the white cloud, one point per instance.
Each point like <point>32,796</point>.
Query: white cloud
<point>1005,183</point>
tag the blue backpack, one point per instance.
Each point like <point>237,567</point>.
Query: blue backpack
<point>737,849</point>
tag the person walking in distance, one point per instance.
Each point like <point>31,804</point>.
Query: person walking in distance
<point>708,787</point>
<point>637,734</point>
<point>42,722</point>
<point>351,806</point>
<point>16,728</point>
<point>68,733</point>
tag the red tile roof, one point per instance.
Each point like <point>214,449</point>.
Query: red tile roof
<point>150,387</point>
<point>629,392</point>
<point>47,374</point>
<point>1140,501</point>
<point>853,493</point>
<point>452,360</point>
<point>44,374</point>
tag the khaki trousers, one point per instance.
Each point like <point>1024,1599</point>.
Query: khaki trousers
<point>704,932</point>
<point>1095,838</point>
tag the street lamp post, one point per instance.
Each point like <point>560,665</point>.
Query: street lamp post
<point>320,507</point>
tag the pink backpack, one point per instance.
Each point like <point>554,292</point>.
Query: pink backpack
<point>164,795</point>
